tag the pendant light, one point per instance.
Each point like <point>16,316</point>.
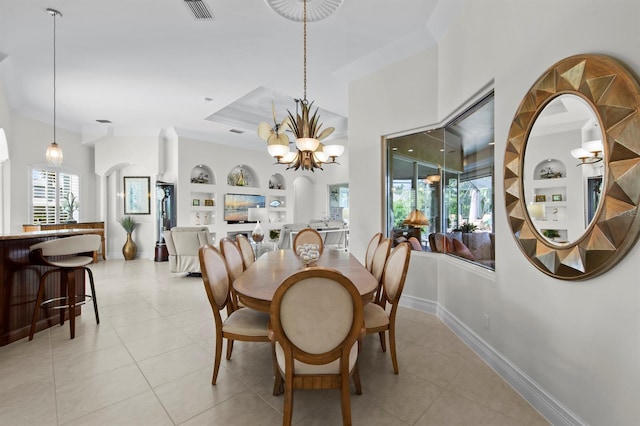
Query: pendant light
<point>54,152</point>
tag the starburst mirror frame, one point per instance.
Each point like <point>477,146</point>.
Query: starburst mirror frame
<point>614,95</point>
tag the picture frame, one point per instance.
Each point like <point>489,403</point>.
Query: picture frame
<point>209,203</point>
<point>137,196</point>
<point>556,197</point>
<point>541,198</point>
<point>195,202</point>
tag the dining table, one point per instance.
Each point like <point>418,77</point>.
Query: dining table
<point>256,286</point>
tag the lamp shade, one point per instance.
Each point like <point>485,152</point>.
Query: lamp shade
<point>593,146</point>
<point>580,153</point>
<point>416,218</point>
<point>54,154</point>
<point>307,144</point>
<point>321,155</point>
<point>278,150</point>
<point>334,150</point>
<point>289,157</point>
<point>257,214</point>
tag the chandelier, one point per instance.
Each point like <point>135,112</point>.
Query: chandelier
<point>54,152</point>
<point>310,153</point>
<point>590,152</point>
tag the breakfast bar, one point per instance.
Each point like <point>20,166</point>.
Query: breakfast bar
<point>20,281</point>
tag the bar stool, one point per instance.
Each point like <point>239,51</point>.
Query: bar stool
<point>78,252</point>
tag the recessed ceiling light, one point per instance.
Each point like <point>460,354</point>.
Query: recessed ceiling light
<point>394,148</point>
<point>410,150</point>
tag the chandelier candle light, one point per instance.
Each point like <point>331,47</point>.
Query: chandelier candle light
<point>54,152</point>
<point>311,153</point>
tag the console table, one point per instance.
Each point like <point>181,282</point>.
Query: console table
<point>98,227</point>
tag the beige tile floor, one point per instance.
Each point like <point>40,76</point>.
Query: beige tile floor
<point>150,360</point>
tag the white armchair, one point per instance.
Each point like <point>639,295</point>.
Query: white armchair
<point>183,244</point>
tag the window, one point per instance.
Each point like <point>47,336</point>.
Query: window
<point>446,174</point>
<point>54,196</point>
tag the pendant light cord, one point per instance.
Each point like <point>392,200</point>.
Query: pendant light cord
<point>305,49</point>
<point>54,77</point>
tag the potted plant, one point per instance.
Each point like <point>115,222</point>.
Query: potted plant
<point>129,249</point>
<point>467,228</point>
<point>70,206</point>
<point>552,234</point>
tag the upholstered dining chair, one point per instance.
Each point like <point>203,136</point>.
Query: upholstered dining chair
<point>248,256</point>
<point>371,249</point>
<point>66,255</point>
<point>316,330</point>
<point>308,236</point>
<point>235,265</point>
<point>244,324</point>
<point>376,317</point>
<point>377,264</point>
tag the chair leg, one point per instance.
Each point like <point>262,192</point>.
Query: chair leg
<point>345,401</point>
<point>218,356</point>
<point>277,377</point>
<point>64,292</point>
<point>356,379</point>
<point>392,345</point>
<point>287,415</point>
<point>93,295</point>
<point>36,308</point>
<point>71,301</point>
<point>229,348</point>
<point>383,343</point>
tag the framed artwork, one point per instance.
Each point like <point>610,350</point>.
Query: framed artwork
<point>195,202</point>
<point>556,197</point>
<point>137,198</point>
<point>541,198</point>
<point>208,203</point>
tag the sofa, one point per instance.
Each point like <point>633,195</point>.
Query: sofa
<point>183,244</point>
<point>337,239</point>
<point>477,247</point>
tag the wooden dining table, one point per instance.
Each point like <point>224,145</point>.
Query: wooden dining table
<point>257,285</point>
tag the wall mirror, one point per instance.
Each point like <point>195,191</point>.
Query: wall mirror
<point>572,167</point>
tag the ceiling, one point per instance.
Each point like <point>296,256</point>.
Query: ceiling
<point>147,65</point>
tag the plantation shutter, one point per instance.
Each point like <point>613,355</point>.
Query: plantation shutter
<point>48,189</point>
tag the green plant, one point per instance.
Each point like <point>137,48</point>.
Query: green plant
<point>274,234</point>
<point>128,223</point>
<point>468,227</point>
<point>550,233</point>
<point>70,204</point>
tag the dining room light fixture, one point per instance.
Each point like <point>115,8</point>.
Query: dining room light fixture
<point>590,152</point>
<point>310,153</point>
<point>54,152</point>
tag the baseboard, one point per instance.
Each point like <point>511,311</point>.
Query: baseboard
<point>419,304</point>
<point>541,400</point>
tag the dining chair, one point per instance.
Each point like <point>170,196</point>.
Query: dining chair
<point>244,324</point>
<point>308,236</point>
<point>235,266</point>
<point>371,249</point>
<point>248,255</point>
<point>316,329</point>
<point>67,256</point>
<point>377,265</point>
<point>376,317</point>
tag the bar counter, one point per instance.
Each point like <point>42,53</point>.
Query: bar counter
<point>20,280</point>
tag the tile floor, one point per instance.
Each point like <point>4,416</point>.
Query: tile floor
<point>150,360</point>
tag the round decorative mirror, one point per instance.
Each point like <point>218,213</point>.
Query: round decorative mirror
<point>572,167</point>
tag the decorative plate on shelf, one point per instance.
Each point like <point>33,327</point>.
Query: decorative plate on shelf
<point>275,203</point>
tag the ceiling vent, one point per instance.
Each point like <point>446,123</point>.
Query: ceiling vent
<point>236,131</point>
<point>199,9</point>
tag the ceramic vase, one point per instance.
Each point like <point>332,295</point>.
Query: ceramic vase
<point>129,249</point>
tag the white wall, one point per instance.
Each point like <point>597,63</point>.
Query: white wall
<point>5,168</point>
<point>578,342</point>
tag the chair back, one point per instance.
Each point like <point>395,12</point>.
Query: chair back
<point>216,279</point>
<point>415,244</point>
<point>371,249</point>
<point>232,257</point>
<point>70,245</point>
<point>308,236</point>
<point>395,274</point>
<point>317,317</point>
<point>380,257</point>
<point>248,256</point>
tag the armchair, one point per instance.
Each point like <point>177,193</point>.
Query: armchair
<point>182,245</point>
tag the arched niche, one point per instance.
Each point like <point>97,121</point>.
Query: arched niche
<point>243,175</point>
<point>277,181</point>
<point>202,173</point>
